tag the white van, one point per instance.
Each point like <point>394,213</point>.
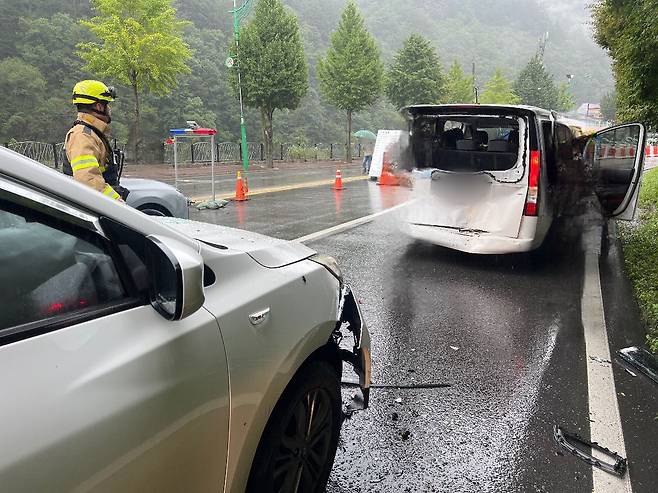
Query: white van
<point>499,175</point>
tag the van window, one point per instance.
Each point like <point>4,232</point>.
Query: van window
<point>466,143</point>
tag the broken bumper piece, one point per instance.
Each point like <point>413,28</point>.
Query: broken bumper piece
<point>349,315</point>
<point>577,446</point>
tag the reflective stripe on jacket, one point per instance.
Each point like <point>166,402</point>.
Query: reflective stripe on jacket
<point>88,155</point>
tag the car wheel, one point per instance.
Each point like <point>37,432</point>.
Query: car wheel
<point>296,452</point>
<point>154,210</point>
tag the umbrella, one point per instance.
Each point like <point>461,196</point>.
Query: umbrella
<point>365,134</point>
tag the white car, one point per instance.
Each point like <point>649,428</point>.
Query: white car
<point>141,354</point>
<point>499,175</point>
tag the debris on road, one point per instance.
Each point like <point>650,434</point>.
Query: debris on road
<point>600,360</point>
<point>642,360</point>
<point>454,348</point>
<point>576,446</point>
<point>211,205</point>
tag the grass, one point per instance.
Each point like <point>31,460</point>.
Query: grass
<point>640,241</point>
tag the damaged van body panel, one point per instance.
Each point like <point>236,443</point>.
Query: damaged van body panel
<point>478,206</point>
<point>481,159</point>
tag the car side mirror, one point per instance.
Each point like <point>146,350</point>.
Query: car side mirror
<point>176,277</point>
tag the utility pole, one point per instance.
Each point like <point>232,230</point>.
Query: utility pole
<point>239,14</point>
<point>476,92</point>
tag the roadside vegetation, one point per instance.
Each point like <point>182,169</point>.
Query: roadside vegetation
<point>640,241</point>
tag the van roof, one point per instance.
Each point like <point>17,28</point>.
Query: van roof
<point>488,108</point>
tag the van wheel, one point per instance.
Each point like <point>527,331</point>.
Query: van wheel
<point>297,450</point>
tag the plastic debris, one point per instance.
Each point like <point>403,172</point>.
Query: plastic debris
<point>641,360</point>
<point>211,205</point>
<point>575,445</point>
<point>454,348</point>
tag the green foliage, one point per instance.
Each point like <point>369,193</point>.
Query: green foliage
<point>609,106</point>
<point>141,45</point>
<point>415,76</point>
<point>629,31</point>
<point>498,90</point>
<point>535,85</point>
<point>641,255</point>
<point>23,90</point>
<point>459,86</point>
<point>272,63</point>
<point>351,75</point>
<point>565,100</point>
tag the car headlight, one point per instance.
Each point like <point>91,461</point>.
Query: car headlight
<point>330,264</point>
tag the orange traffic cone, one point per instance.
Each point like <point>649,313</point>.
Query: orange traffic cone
<point>240,196</point>
<point>387,178</point>
<point>338,184</point>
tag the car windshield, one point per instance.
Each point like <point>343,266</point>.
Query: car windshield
<point>465,143</point>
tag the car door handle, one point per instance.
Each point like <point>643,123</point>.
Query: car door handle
<point>259,317</point>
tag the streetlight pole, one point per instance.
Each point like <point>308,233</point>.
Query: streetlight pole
<point>238,14</point>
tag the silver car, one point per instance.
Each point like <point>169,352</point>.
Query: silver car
<point>163,355</point>
<point>155,198</point>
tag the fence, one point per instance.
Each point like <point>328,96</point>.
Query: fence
<point>50,154</point>
<point>53,155</point>
<point>231,152</point>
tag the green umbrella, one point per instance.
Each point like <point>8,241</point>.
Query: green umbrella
<point>365,134</point>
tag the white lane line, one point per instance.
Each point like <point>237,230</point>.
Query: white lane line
<point>348,225</point>
<point>604,414</point>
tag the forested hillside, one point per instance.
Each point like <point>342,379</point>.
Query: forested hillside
<point>38,62</point>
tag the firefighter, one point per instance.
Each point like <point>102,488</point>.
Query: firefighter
<point>89,157</point>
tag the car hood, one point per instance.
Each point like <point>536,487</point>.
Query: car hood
<point>267,251</point>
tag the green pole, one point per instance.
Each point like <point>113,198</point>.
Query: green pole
<point>243,126</point>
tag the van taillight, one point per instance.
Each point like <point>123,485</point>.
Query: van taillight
<point>532,202</point>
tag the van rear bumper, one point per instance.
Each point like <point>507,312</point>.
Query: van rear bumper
<point>478,243</point>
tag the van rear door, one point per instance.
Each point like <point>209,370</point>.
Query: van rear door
<point>614,158</point>
<point>487,168</point>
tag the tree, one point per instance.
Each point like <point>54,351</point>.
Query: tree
<point>609,106</point>
<point>140,45</point>
<point>535,86</point>
<point>351,75</point>
<point>629,32</point>
<point>459,87</point>
<point>498,90</point>
<point>565,100</point>
<point>415,76</point>
<point>273,65</point>
<point>23,90</point>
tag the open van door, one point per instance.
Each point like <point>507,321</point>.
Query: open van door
<point>614,158</point>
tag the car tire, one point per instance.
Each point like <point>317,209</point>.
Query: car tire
<point>289,459</point>
<point>154,210</point>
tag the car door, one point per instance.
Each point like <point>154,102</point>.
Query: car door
<point>614,160</point>
<point>99,392</point>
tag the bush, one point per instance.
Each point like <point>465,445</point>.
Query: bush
<point>640,241</point>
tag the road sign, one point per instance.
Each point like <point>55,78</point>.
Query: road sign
<point>230,62</point>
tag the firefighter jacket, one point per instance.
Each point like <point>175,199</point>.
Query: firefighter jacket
<point>90,157</point>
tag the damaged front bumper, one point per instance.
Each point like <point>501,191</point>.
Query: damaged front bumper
<point>349,316</point>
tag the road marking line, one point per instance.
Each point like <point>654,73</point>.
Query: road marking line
<point>283,188</point>
<point>605,420</point>
<point>348,225</point>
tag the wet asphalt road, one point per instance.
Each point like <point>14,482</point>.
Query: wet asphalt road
<point>504,332</point>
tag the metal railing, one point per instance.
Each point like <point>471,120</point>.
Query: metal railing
<point>53,154</point>
<point>230,152</point>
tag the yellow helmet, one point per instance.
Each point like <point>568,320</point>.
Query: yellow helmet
<point>93,91</point>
